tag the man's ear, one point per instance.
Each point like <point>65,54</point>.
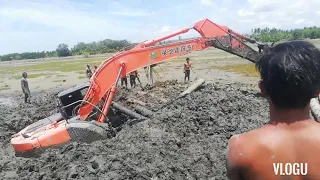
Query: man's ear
<point>262,88</point>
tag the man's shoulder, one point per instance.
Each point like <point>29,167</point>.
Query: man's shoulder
<point>244,142</point>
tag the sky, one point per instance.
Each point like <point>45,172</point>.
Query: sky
<point>37,25</point>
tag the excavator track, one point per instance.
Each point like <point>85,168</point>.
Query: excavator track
<point>73,130</point>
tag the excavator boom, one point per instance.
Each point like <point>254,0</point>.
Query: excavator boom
<point>58,129</point>
<point>148,53</point>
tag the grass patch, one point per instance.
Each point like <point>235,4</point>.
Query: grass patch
<point>58,80</point>
<point>206,60</point>
<point>62,66</point>
<point>222,59</point>
<point>81,72</point>
<point>244,69</point>
<point>82,77</point>
<point>61,75</point>
<point>30,76</point>
<point>4,88</point>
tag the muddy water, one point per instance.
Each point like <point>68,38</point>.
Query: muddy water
<point>186,139</point>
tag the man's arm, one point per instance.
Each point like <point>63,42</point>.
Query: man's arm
<point>235,161</point>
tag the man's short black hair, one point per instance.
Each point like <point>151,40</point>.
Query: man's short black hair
<point>290,73</point>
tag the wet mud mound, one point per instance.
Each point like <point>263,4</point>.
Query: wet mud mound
<point>185,140</point>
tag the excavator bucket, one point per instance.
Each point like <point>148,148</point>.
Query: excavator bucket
<point>53,131</point>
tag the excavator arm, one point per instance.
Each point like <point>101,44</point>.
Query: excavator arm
<point>104,81</point>
<point>56,129</point>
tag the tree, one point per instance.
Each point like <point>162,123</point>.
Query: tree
<point>63,50</point>
<point>272,35</point>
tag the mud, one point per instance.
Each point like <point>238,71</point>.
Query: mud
<point>185,140</point>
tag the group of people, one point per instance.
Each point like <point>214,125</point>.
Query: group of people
<point>90,72</point>
<point>132,76</point>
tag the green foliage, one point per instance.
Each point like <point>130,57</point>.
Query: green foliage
<point>28,55</point>
<point>112,46</point>
<point>274,35</point>
<point>63,50</point>
<point>85,54</point>
<point>52,66</point>
<point>101,47</point>
<point>85,49</point>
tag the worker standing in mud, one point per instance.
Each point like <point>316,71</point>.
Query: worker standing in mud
<point>88,72</point>
<point>25,87</point>
<point>137,76</point>
<point>124,81</point>
<point>95,68</point>
<point>133,76</point>
<point>186,69</point>
<point>290,78</point>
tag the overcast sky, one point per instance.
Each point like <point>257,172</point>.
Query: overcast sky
<point>37,25</point>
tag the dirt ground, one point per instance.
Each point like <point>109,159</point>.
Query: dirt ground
<point>184,140</point>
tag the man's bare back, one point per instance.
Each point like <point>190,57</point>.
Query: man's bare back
<point>281,143</point>
<point>288,146</point>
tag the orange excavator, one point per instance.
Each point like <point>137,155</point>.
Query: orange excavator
<point>65,127</point>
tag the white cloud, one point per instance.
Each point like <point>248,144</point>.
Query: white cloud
<point>59,23</point>
<point>45,24</point>
<point>299,21</point>
<point>206,2</point>
<point>166,30</point>
<point>54,18</point>
<point>283,14</point>
<point>125,11</point>
<point>243,12</point>
<point>128,13</point>
<point>57,15</point>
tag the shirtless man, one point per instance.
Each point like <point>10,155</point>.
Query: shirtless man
<point>133,76</point>
<point>25,87</point>
<point>88,72</point>
<point>95,68</point>
<point>186,69</point>
<point>290,77</point>
<point>124,81</point>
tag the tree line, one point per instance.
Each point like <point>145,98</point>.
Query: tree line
<point>111,46</point>
<point>85,49</point>
<point>274,35</point>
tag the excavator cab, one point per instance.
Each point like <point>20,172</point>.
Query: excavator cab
<point>69,100</point>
